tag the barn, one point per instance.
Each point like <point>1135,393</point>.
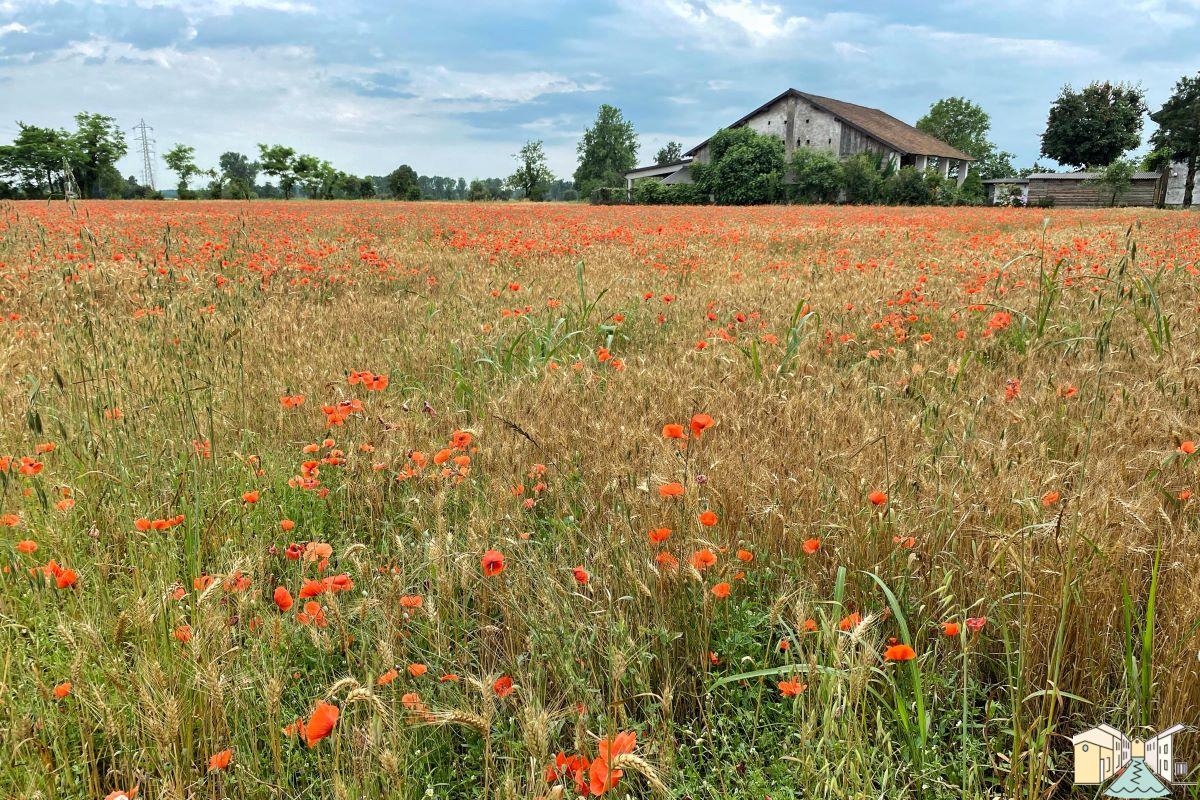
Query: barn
<point>1075,190</point>
<point>843,129</point>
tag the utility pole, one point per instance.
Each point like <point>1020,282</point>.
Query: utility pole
<point>147,144</point>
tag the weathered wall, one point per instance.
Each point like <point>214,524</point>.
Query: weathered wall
<point>1086,194</point>
<point>816,129</point>
<point>1177,184</point>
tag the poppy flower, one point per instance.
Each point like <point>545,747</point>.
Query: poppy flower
<point>62,690</point>
<point>703,559</point>
<point>699,423</point>
<point>950,628</point>
<point>721,590</point>
<point>673,430</point>
<point>492,563</point>
<point>283,599</point>
<point>671,490</point>
<point>975,624</point>
<point>417,670</point>
<point>659,535</point>
<point>850,621</point>
<point>708,519</point>
<point>250,497</point>
<point>220,761</point>
<point>503,686</point>
<point>899,652</point>
<point>287,525</point>
<point>745,556</point>
<point>27,546</point>
<point>811,546</point>
<point>791,688</point>
<point>581,575</point>
<point>183,633</point>
<point>1187,448</point>
<point>320,724</point>
<point>877,497</point>
<point>387,677</point>
<point>411,601</point>
<point>1050,498</point>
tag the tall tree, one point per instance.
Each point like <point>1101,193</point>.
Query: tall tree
<point>532,173</point>
<point>607,150</point>
<point>1179,128</point>
<point>239,173</point>
<point>403,183</point>
<point>1095,126</point>
<point>278,161</point>
<point>98,145</point>
<point>37,159</point>
<point>181,159</point>
<point>670,153</point>
<point>964,124</point>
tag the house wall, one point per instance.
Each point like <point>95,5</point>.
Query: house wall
<point>1177,184</point>
<point>809,127</point>
<point>1086,194</point>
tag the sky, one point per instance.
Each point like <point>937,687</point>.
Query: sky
<point>455,87</point>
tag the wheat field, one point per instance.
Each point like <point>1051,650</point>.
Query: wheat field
<point>364,500</point>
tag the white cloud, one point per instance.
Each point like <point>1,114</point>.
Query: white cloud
<point>721,23</point>
<point>13,27</point>
<point>440,83</point>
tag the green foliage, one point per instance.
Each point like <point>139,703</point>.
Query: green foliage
<point>277,161</point>
<point>1116,179</point>
<point>607,150</point>
<point>670,153</point>
<point>181,159</point>
<point>532,173</point>
<point>818,176</point>
<point>863,176</point>
<point>97,144</point>
<point>649,191</point>
<point>907,187</point>
<point>964,125</point>
<point>972,190</point>
<point>744,168</point>
<point>1093,127</point>
<point>402,183</point>
<point>478,191</point>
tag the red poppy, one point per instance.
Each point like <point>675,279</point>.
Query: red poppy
<point>877,497</point>
<point>708,519</point>
<point>220,761</point>
<point>283,599</point>
<point>503,686</point>
<point>899,652</point>
<point>492,562</point>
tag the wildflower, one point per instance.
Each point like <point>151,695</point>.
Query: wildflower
<point>899,652</point>
<point>699,423</point>
<point>745,556</point>
<point>183,633</point>
<point>503,686</point>
<point>250,497</point>
<point>659,535</point>
<point>492,562</point>
<point>811,546</point>
<point>1050,498</point>
<point>320,723</point>
<point>1012,389</point>
<point>27,546</point>
<point>670,490</point>
<point>581,575</point>
<point>417,670</point>
<point>708,519</point>
<point>721,590</point>
<point>62,690</point>
<point>703,559</point>
<point>673,431</point>
<point>850,622</point>
<point>220,761</point>
<point>791,688</point>
<point>950,628</point>
<point>283,599</point>
<point>387,677</point>
<point>1187,448</point>
<point>975,624</point>
<point>877,497</point>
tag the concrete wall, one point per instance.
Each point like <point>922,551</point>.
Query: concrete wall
<point>817,130</point>
<point>1176,184</point>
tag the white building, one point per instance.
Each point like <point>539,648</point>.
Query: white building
<point>1160,755</point>
<point>1100,753</point>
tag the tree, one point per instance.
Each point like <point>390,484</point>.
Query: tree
<point>862,177</point>
<point>277,161</point>
<point>671,153</point>
<point>745,167</point>
<point>1094,127</point>
<point>532,173</point>
<point>97,145</point>
<point>1179,128</point>
<point>964,125</point>
<point>239,173</point>
<point>403,183</point>
<point>37,159</point>
<point>181,159</point>
<point>1116,178</point>
<point>818,176</point>
<point>607,150</point>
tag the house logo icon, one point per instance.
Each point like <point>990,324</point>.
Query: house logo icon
<point>1137,768</point>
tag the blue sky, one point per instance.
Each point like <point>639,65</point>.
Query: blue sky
<point>454,87</point>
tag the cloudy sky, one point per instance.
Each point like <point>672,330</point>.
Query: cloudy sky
<point>454,87</point>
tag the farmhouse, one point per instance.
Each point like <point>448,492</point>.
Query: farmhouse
<point>820,123</point>
<point>1100,753</point>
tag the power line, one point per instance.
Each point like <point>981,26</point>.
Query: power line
<point>143,138</point>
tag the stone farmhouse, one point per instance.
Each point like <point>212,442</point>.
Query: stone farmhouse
<point>820,123</point>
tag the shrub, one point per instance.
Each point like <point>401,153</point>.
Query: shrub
<point>652,192</point>
<point>908,187</point>
<point>972,191</point>
<point>862,178</point>
<point>745,168</point>
<point>818,177</point>
<point>609,195</point>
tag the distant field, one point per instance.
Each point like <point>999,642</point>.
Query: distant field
<point>364,500</point>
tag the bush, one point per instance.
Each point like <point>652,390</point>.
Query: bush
<point>653,192</point>
<point>862,178</point>
<point>818,177</point>
<point>745,168</point>
<point>609,195</point>
<point>972,191</point>
<point>908,187</point>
